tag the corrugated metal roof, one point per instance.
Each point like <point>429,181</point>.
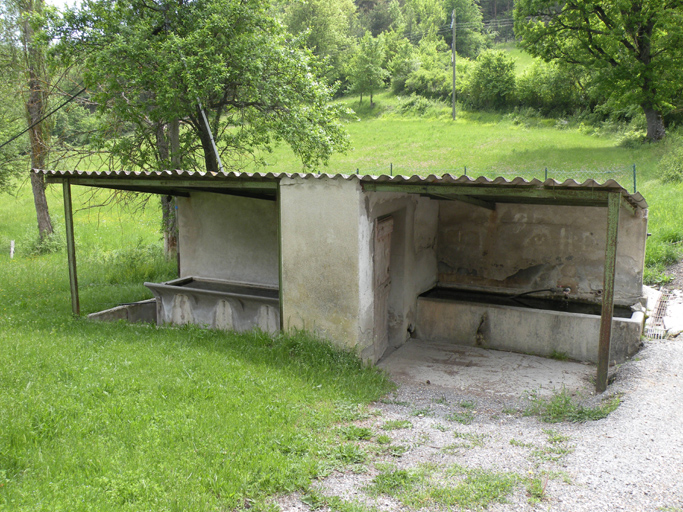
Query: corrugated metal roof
<point>636,200</point>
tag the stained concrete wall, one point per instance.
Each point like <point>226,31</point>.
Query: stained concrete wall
<point>517,248</point>
<point>529,331</point>
<point>321,260</point>
<point>413,264</point>
<point>228,237</point>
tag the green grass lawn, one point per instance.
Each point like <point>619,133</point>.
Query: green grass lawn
<point>97,416</point>
<point>129,417</point>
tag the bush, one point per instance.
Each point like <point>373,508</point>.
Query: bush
<point>430,83</point>
<point>491,84</point>
<point>671,164</point>
<point>419,106</point>
<point>135,265</point>
<point>32,244</point>
<point>548,88</point>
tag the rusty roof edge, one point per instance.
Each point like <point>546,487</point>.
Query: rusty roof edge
<point>636,199</point>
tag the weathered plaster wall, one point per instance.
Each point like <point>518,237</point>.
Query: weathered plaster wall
<point>321,260</point>
<point>518,248</point>
<point>413,265</point>
<point>228,237</point>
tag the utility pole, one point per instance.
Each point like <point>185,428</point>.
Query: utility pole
<point>453,59</point>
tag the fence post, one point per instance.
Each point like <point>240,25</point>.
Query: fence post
<point>634,179</point>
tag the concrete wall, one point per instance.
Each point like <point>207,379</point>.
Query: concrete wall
<point>228,237</point>
<point>529,331</point>
<point>525,247</point>
<point>413,265</point>
<point>321,260</point>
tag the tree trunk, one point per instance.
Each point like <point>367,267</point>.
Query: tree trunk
<point>36,105</point>
<point>361,99</point>
<point>207,147</point>
<point>40,201</point>
<point>655,124</point>
<point>168,203</point>
<point>371,98</point>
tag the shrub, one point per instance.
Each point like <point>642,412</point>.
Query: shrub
<point>671,164</point>
<point>419,106</point>
<point>430,83</point>
<point>136,264</point>
<point>491,84</point>
<point>31,244</point>
<point>548,88</point>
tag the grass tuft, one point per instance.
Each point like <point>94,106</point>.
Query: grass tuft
<point>562,407</point>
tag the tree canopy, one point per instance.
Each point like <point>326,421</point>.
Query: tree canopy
<point>634,48</point>
<point>152,63</point>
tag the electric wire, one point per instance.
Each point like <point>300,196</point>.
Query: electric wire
<point>44,117</point>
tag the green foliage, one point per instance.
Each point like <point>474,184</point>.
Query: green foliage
<point>396,425</point>
<point>457,487</point>
<point>75,125</point>
<point>491,83</point>
<point>367,68</point>
<point>326,29</point>
<point>548,88</point>
<point>562,407</point>
<point>355,433</point>
<point>632,49</point>
<point>148,65</point>
<point>671,164</point>
<point>137,264</point>
<point>464,417</point>
<point>393,481</point>
<point>535,489</point>
<point>32,244</point>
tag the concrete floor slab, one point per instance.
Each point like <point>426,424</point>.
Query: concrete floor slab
<point>493,372</point>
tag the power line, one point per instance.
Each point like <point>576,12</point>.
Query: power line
<point>44,117</point>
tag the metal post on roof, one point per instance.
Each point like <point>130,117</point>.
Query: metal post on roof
<point>391,169</point>
<point>546,174</point>
<point>279,255</point>
<point>613,203</point>
<point>71,248</point>
<point>634,179</point>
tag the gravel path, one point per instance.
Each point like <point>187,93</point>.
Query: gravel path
<point>632,460</point>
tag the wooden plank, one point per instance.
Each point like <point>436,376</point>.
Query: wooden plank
<point>279,256</point>
<point>552,195</point>
<point>71,248</point>
<point>467,199</point>
<point>608,291</point>
<point>141,181</point>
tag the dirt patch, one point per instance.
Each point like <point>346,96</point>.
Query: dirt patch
<point>430,446</point>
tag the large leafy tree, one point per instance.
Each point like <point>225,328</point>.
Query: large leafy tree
<point>23,66</point>
<point>367,68</point>
<point>633,48</point>
<point>326,29</point>
<point>160,71</point>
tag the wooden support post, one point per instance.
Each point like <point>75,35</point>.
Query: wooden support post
<point>279,256</point>
<point>613,203</point>
<point>71,248</point>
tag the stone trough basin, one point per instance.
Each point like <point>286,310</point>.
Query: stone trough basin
<point>217,304</point>
<point>528,325</point>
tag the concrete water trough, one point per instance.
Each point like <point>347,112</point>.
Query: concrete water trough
<point>217,304</point>
<point>530,325</point>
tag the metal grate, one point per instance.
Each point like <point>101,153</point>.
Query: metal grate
<point>654,328</point>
